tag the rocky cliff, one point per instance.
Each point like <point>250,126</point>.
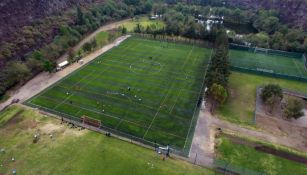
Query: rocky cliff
<point>293,12</point>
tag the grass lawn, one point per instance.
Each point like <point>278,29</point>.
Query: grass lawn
<point>264,62</point>
<point>240,106</point>
<point>102,38</point>
<point>75,152</point>
<point>247,157</point>
<point>144,22</point>
<point>145,88</point>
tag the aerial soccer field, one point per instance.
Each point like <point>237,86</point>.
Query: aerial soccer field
<point>271,64</point>
<point>142,88</point>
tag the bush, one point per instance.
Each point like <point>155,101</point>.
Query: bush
<point>293,108</point>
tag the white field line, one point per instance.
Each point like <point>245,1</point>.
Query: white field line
<point>299,70</point>
<point>97,112</point>
<point>71,88</point>
<point>175,101</point>
<point>84,85</point>
<point>58,105</point>
<point>188,57</point>
<point>196,103</point>
<point>161,105</point>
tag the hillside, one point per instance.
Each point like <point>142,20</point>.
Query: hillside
<point>291,11</point>
<point>17,13</point>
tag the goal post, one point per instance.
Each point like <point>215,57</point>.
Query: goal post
<point>261,50</point>
<point>91,121</point>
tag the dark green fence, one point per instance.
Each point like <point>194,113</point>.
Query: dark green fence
<point>270,74</point>
<point>269,51</point>
<point>175,150</point>
<point>224,167</point>
<point>175,39</point>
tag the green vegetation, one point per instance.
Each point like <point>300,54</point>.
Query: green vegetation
<point>144,22</point>
<point>240,106</point>
<point>4,97</point>
<point>271,95</point>
<point>102,38</point>
<point>145,88</point>
<point>76,152</point>
<point>247,157</point>
<point>293,108</point>
<point>8,114</point>
<point>55,35</point>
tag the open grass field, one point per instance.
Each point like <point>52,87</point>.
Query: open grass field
<point>147,89</point>
<point>249,158</point>
<point>74,152</point>
<point>268,63</point>
<point>144,21</point>
<point>240,106</point>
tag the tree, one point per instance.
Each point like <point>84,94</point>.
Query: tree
<point>293,108</point>
<point>71,55</point>
<point>80,16</point>
<point>37,55</point>
<point>93,43</point>
<point>218,94</point>
<point>87,47</point>
<point>138,28</point>
<point>17,71</point>
<point>218,71</point>
<point>49,66</point>
<point>124,30</point>
<point>271,95</point>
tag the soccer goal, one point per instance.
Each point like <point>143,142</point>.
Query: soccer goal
<point>261,50</point>
<point>90,121</point>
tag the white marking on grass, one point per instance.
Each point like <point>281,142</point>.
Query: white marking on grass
<point>185,142</point>
<point>161,104</point>
<point>299,70</point>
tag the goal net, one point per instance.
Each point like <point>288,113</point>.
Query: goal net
<point>90,121</point>
<point>261,50</point>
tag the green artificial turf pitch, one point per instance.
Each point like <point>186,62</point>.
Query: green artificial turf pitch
<point>148,89</point>
<point>268,63</point>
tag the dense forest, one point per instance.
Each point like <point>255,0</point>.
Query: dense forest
<point>35,47</point>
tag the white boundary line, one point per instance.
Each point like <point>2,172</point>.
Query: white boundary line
<point>196,104</point>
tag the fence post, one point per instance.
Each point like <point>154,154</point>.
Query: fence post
<point>195,158</point>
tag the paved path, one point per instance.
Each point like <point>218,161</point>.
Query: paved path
<point>202,148</point>
<point>44,79</point>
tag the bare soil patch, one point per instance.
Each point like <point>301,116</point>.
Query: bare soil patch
<point>292,131</point>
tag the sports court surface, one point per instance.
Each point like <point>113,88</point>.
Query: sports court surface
<point>273,64</point>
<point>144,88</point>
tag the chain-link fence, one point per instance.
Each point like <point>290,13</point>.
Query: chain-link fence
<point>274,63</point>
<point>227,168</point>
<point>175,39</point>
<point>268,51</point>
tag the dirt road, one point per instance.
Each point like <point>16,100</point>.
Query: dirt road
<point>91,36</point>
<point>44,79</point>
<point>202,148</point>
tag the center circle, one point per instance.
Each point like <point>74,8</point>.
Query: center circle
<point>146,67</point>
